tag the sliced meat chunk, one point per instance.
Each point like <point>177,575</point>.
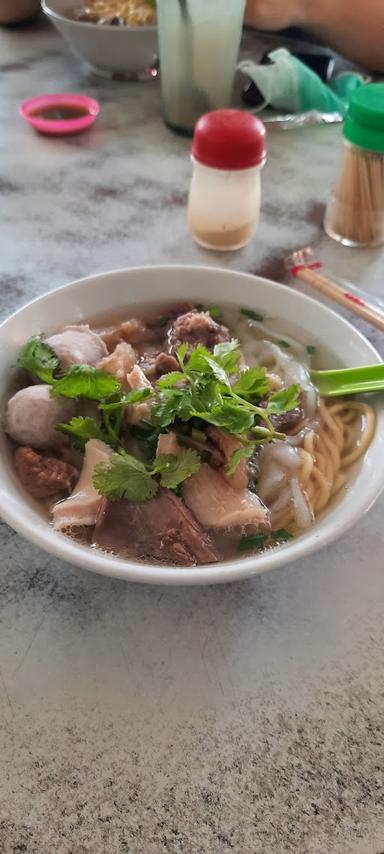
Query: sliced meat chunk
<point>120,362</point>
<point>132,331</point>
<point>156,366</point>
<point>32,415</point>
<point>196,327</point>
<point>77,345</point>
<point>43,476</point>
<point>167,444</point>
<point>111,338</point>
<point>81,508</point>
<point>136,380</point>
<point>217,505</point>
<point>162,529</point>
<point>227,445</point>
<point>288,421</point>
<point>165,363</point>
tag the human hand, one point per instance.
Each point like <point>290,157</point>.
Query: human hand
<point>272,14</point>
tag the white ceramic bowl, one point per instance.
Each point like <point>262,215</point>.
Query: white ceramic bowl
<point>83,299</point>
<point>107,50</point>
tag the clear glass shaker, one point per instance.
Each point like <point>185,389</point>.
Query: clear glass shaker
<point>228,153</point>
<point>199,44</point>
<point>355,211</point>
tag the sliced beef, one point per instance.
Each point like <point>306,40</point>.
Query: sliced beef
<point>44,476</point>
<point>228,445</point>
<point>196,327</point>
<point>133,331</point>
<point>120,362</point>
<point>144,334</point>
<point>162,529</point>
<point>288,421</point>
<point>165,363</point>
<point>155,366</point>
<point>32,415</point>
<point>81,508</point>
<point>218,506</point>
<point>167,444</point>
<point>136,380</point>
<point>77,345</point>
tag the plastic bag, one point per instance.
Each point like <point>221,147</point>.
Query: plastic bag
<point>287,84</point>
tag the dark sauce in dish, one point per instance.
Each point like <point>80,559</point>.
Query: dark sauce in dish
<point>59,113</point>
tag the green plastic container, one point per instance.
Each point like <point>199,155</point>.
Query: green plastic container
<point>355,212</point>
<point>364,122</point>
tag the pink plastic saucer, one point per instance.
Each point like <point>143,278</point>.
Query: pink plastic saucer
<point>47,113</point>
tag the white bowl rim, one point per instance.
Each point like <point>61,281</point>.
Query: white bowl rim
<point>90,24</point>
<point>99,562</point>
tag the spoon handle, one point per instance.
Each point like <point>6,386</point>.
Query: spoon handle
<point>361,380</point>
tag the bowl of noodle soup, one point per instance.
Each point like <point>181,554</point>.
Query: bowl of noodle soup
<point>316,483</point>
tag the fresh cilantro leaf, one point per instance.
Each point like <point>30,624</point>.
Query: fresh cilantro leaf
<point>227,355</point>
<point>135,396</point>
<point>252,315</point>
<point>284,400</point>
<point>258,541</point>
<point>198,359</point>
<point>124,477</point>
<point>311,349</point>
<point>172,403</point>
<point>215,312</point>
<point>147,436</point>
<point>202,361</point>
<point>237,456</point>
<point>284,344</point>
<point>171,379</point>
<point>181,353</point>
<point>85,381</point>
<point>218,371</point>
<point>175,468</point>
<point>206,394</point>
<point>232,417</point>
<point>38,359</point>
<point>82,429</point>
<point>255,542</point>
<point>281,534</point>
<point>252,383</point>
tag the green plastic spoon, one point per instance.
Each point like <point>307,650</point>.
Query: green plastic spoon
<point>349,380</point>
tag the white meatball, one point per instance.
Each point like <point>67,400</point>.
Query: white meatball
<point>32,415</point>
<point>77,345</point>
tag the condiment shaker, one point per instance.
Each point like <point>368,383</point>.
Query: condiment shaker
<point>355,212</point>
<point>228,153</point>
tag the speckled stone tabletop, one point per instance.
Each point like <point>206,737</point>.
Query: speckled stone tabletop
<point>245,718</point>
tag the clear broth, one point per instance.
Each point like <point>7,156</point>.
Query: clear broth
<point>246,333</point>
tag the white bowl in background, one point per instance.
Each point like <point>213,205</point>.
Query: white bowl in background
<point>106,49</point>
<point>82,300</point>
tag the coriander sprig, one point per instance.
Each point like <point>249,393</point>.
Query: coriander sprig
<point>124,476</point>
<point>213,388</point>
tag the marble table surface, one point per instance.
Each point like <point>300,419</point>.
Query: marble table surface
<point>244,718</point>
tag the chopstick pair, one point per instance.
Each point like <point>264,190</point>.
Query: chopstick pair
<point>305,266</point>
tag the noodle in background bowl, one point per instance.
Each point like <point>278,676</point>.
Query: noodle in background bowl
<point>339,344</point>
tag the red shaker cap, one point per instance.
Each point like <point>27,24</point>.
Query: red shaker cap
<point>229,139</point>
